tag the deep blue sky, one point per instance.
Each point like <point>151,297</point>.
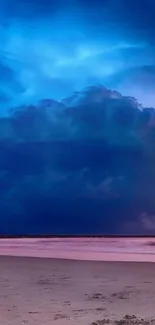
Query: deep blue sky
<point>84,164</point>
<point>52,48</point>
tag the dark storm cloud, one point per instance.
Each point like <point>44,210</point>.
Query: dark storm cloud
<point>87,168</point>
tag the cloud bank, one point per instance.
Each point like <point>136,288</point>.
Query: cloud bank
<point>81,166</point>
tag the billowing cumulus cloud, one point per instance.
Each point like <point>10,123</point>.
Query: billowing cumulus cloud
<point>86,165</point>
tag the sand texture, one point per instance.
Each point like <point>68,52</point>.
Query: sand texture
<point>60,292</point>
<point>47,291</point>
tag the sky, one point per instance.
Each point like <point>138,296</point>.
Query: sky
<point>53,48</point>
<point>76,157</point>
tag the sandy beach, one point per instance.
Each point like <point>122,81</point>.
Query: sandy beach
<point>91,249</point>
<point>68,291</point>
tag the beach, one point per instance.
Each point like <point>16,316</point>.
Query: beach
<point>66,291</point>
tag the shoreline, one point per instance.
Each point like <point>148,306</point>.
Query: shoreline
<point>89,249</point>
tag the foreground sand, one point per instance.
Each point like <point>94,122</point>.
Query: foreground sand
<point>62,284</point>
<point>68,292</point>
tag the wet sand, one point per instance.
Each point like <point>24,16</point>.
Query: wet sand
<point>69,291</point>
<point>99,249</point>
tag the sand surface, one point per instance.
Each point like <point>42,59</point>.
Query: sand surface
<point>76,290</point>
<point>68,292</point>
